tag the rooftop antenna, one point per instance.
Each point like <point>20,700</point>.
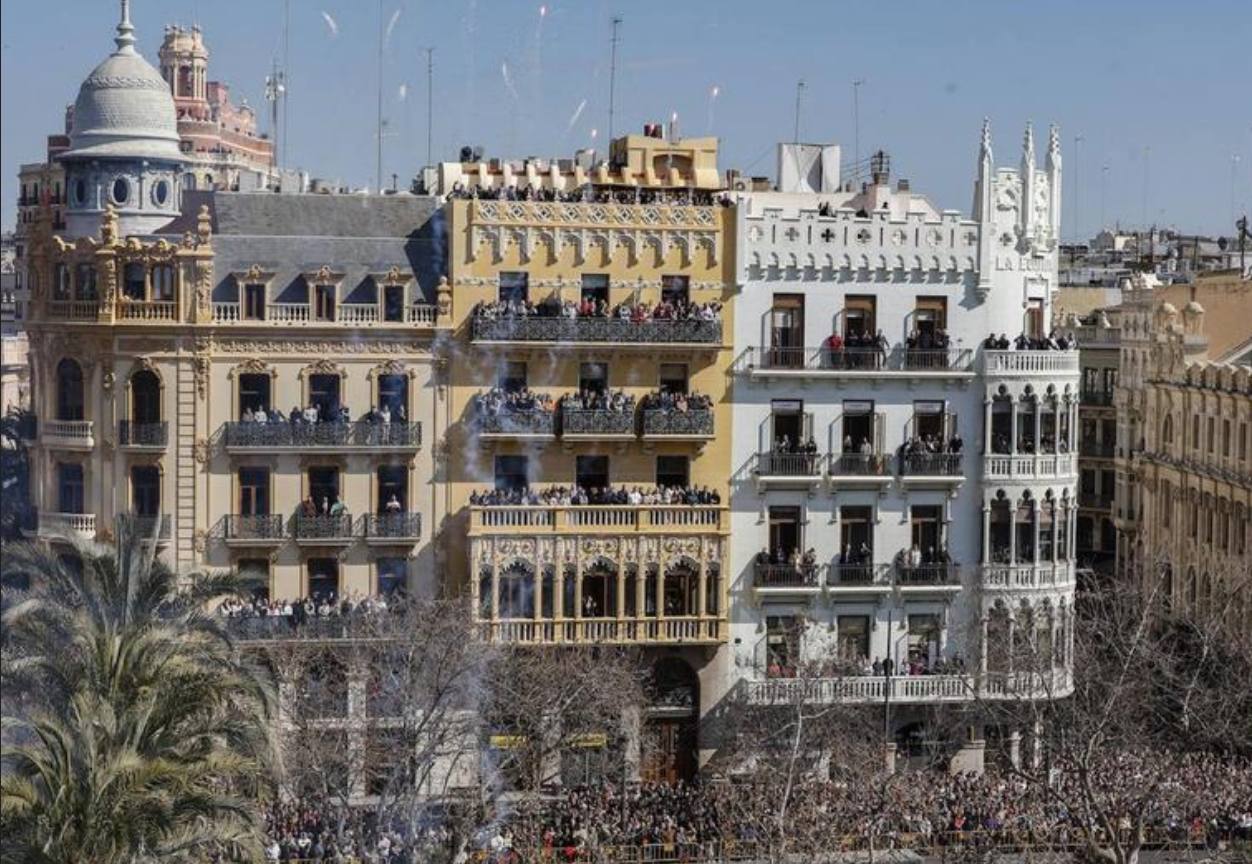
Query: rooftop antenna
<point>1078,139</point>
<point>617,22</point>
<point>275,90</point>
<point>286,72</point>
<point>430,104</point>
<point>856,120</point>
<point>799,93</point>
<point>1147,156</point>
<point>378,156</point>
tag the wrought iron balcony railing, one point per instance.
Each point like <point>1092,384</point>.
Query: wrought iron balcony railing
<point>789,464</point>
<point>608,330</point>
<point>858,465</point>
<point>930,464</point>
<point>131,434</point>
<point>854,575</point>
<point>595,421</point>
<point>787,576</point>
<point>359,433</point>
<point>1096,397</point>
<point>267,527</point>
<point>393,526</point>
<point>825,359</point>
<point>660,421</point>
<point>534,422</point>
<point>324,527</point>
<point>928,574</point>
<point>147,527</point>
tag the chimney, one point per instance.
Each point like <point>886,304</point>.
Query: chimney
<point>902,185</point>
<point>880,168</point>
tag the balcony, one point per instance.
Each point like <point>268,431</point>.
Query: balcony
<point>788,470</point>
<point>941,470</point>
<point>596,424</point>
<point>245,531</point>
<point>147,310</point>
<point>1029,467</point>
<point>1096,398</point>
<point>67,525</point>
<point>599,519</point>
<point>67,434</point>
<point>535,425</point>
<point>786,580</point>
<point>695,424</point>
<point>1031,363</point>
<point>859,470</point>
<point>675,630</point>
<point>392,528</point>
<point>142,436</point>
<point>72,310</point>
<point>849,580</point>
<point>928,578</point>
<point>594,331</point>
<point>906,689</point>
<point>1045,574</point>
<point>765,362</point>
<point>346,315</point>
<point>148,528</point>
<point>357,436</point>
<point>1096,449</point>
<point>324,530</point>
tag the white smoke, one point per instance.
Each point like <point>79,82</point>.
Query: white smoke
<point>508,82</point>
<point>578,112</point>
<point>331,24</point>
<point>403,92</point>
<point>391,25</point>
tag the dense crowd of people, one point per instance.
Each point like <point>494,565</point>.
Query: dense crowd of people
<point>588,194</point>
<point>589,307</point>
<point>1203,800</point>
<point>667,400</point>
<point>501,401</point>
<point>858,350</point>
<point>1054,341</point>
<point>296,612</point>
<point>613,401</point>
<point>575,496</point>
<point>319,412</point>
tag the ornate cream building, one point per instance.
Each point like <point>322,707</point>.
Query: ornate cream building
<point>1184,460</point>
<point>154,351</point>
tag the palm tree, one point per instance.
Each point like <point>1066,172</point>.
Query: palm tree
<point>133,729</point>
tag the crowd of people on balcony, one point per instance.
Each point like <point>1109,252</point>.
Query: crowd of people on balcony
<point>613,401</point>
<point>315,413</point>
<point>1204,802</point>
<point>588,307</point>
<point>588,194</point>
<point>498,401</point>
<point>578,496</point>
<point>1054,341</point>
<point>859,350</point>
<point>802,564</point>
<point>326,505</point>
<point>299,611</point>
<point>915,557</point>
<point>681,403</point>
<point>931,454</point>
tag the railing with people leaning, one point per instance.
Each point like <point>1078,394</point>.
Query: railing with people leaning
<point>547,328</point>
<point>692,422</point>
<point>358,433</point>
<point>787,575</point>
<point>858,358</point>
<point>858,465</point>
<point>930,464</point>
<point>557,518</point>
<point>596,421</point>
<point>936,573</point>
<point>533,421</point>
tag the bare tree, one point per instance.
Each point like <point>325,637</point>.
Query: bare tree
<point>1152,687</point>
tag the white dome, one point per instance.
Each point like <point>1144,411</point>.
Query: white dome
<point>124,108</point>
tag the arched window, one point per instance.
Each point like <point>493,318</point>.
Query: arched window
<point>163,283</point>
<point>145,397</point>
<point>134,280</point>
<point>1167,429</point>
<point>69,390</point>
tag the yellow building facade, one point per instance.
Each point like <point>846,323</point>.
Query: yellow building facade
<point>540,573</point>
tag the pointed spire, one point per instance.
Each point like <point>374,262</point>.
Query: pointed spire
<point>125,37</point>
<point>1028,145</point>
<point>984,149</point>
<point>1054,147</point>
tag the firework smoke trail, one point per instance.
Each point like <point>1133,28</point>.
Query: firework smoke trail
<point>391,25</point>
<point>578,112</point>
<point>331,25</point>
<point>403,92</point>
<point>714,92</point>
<point>508,83</point>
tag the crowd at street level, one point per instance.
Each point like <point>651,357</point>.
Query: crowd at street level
<point>1202,798</point>
<point>590,195</point>
<point>578,496</point>
<point>588,307</point>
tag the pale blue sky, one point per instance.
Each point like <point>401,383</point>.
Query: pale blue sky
<point>1172,75</point>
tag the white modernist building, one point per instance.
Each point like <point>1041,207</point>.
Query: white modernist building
<point>859,328</point>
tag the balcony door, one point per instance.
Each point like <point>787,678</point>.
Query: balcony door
<point>145,490</point>
<point>69,390</point>
<point>1034,323</point>
<point>514,287</point>
<point>784,533</point>
<point>856,535</point>
<point>673,471</point>
<point>323,487</point>
<point>324,302</point>
<point>145,398</point>
<point>790,427</point>
<point>593,377</point>
<point>512,472</point>
<point>927,531</point>
<point>393,394</point>
<point>254,491</point>
<point>860,426</point>
<point>253,302</point>
<point>853,638</point>
<point>595,289</point>
<point>787,331</point>
<point>392,484</point>
<point>70,488</point>
<point>930,319</point>
<point>859,318</point>
<point>924,631</point>
<point>674,290</point>
<point>323,578</point>
<point>254,392</point>
<point>929,423</point>
<point>591,472</point>
<point>393,303</point>
<point>324,393</point>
